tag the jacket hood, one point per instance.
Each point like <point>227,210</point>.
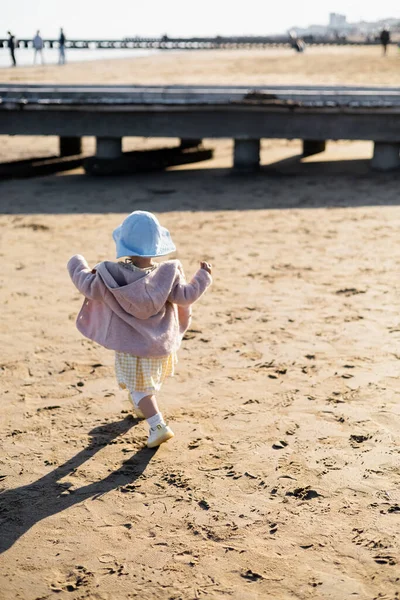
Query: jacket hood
<point>140,294</point>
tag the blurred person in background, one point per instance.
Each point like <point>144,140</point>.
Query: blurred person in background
<point>385,39</point>
<point>297,43</point>
<point>11,45</point>
<point>61,45</point>
<point>38,45</point>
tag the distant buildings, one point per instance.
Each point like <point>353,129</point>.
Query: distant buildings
<point>338,27</point>
<point>337,22</point>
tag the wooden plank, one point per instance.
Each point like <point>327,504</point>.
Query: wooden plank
<point>276,108</point>
<point>13,97</point>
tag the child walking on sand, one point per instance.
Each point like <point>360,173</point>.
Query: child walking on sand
<point>140,309</point>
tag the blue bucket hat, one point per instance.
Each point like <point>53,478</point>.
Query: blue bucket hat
<point>140,234</point>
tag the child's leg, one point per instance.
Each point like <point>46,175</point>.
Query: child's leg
<point>148,401</point>
<point>149,406</point>
<point>159,431</point>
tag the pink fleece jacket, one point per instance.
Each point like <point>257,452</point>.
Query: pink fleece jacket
<point>144,314</point>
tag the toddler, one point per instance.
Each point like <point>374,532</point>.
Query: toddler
<point>140,309</point>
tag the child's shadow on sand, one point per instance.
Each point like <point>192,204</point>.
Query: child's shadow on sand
<point>23,507</point>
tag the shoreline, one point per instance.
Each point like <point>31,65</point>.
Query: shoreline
<point>54,54</point>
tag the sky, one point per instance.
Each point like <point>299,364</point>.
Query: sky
<point>186,18</point>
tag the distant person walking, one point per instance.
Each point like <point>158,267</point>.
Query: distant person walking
<point>296,43</point>
<point>299,45</point>
<point>38,47</point>
<point>385,39</point>
<point>61,45</point>
<point>11,45</point>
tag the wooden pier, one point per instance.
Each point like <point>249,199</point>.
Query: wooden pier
<point>313,114</point>
<point>196,43</point>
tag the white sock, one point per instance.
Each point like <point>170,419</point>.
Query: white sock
<point>155,420</point>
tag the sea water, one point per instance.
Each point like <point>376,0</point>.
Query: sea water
<point>25,56</point>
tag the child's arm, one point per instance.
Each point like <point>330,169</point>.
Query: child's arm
<point>87,282</point>
<point>184,294</point>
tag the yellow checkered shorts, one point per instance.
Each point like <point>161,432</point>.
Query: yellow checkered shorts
<point>140,374</point>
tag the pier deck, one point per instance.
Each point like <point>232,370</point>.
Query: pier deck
<point>313,114</point>
<point>196,43</point>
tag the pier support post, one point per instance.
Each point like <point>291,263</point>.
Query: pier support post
<point>246,156</point>
<point>386,156</point>
<point>70,146</point>
<point>108,147</point>
<point>311,147</point>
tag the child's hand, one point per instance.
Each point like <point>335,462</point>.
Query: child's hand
<point>206,266</point>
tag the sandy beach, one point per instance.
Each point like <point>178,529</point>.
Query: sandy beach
<point>283,479</point>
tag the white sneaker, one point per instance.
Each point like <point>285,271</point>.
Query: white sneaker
<point>158,435</point>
